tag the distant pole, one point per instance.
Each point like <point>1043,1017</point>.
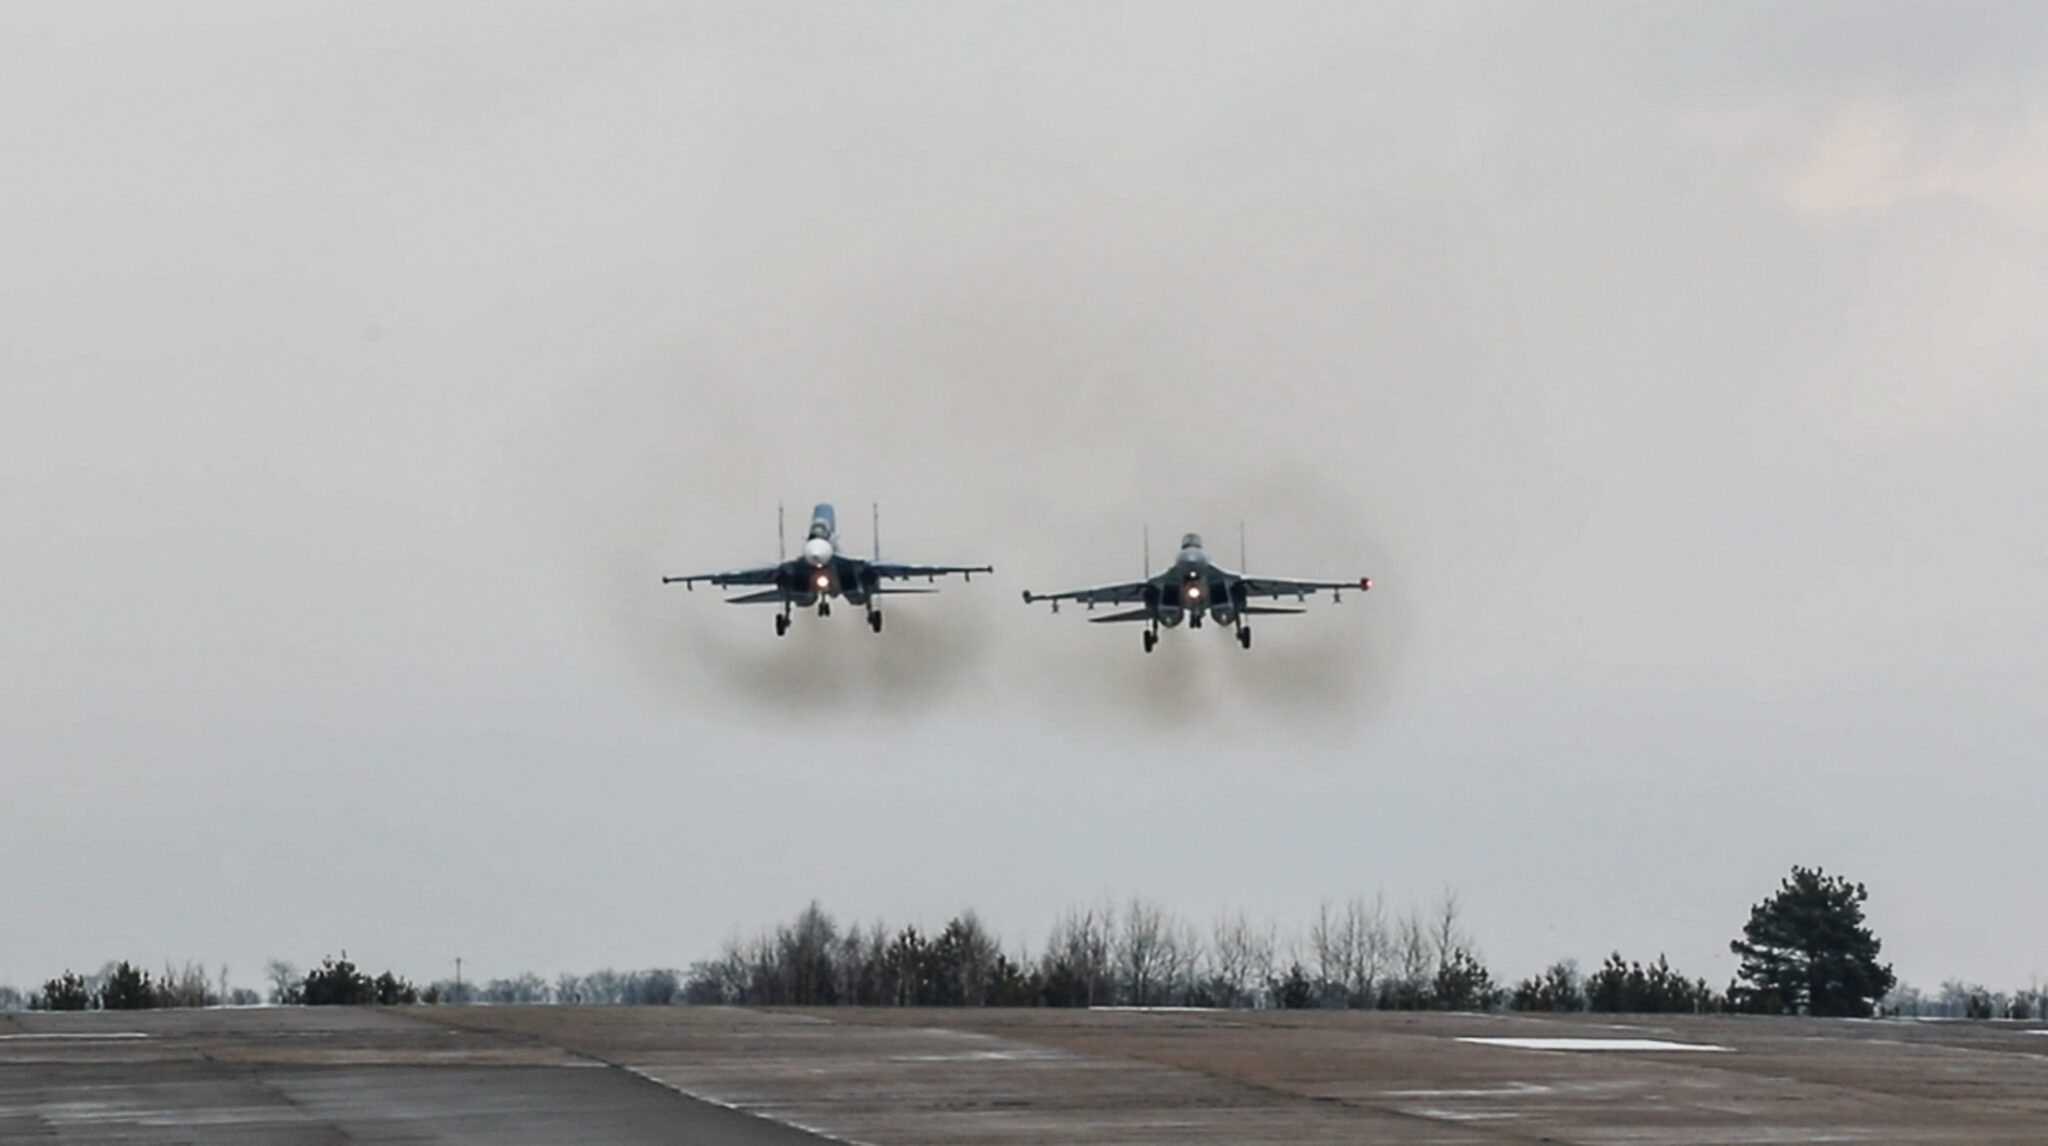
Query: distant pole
<point>458,980</point>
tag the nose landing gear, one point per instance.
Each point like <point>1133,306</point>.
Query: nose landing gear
<point>824,608</point>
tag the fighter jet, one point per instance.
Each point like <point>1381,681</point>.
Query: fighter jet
<point>822,572</point>
<point>1191,587</point>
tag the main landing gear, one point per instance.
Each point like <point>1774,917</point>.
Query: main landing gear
<point>781,624</point>
<point>1151,639</point>
<point>1244,636</point>
<point>875,619</point>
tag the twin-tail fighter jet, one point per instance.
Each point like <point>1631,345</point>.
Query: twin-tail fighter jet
<point>822,571</point>
<point>1191,587</point>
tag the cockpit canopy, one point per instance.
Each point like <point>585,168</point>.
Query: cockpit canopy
<point>1191,541</point>
<point>823,523</point>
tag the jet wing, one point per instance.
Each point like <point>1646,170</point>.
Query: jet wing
<point>764,597</point>
<point>1120,593</point>
<point>897,570</point>
<point>761,575</point>
<point>1288,587</point>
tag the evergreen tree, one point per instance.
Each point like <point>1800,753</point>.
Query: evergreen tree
<point>390,990</point>
<point>1063,985</point>
<point>66,992</point>
<point>1557,989</point>
<point>1296,991</point>
<point>127,989</point>
<point>1620,986</point>
<point>334,984</point>
<point>1805,950</point>
<point>1463,983</point>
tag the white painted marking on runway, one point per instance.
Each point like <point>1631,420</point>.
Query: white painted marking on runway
<point>1511,1090</point>
<point>83,1036</point>
<point>1580,1044</point>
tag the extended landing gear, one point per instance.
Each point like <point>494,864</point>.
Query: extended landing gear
<point>1151,639</point>
<point>824,608</point>
<point>1244,636</point>
<point>781,624</point>
<point>875,619</point>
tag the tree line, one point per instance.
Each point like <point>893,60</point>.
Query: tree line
<point>1804,950</point>
<point>124,986</point>
<point>1140,955</point>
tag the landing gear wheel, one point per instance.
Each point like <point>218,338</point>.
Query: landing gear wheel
<point>1151,638</point>
<point>781,624</point>
<point>875,619</point>
<point>824,608</point>
<point>1244,637</point>
<point>1194,619</point>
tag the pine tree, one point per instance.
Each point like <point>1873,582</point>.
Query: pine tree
<point>1805,950</point>
<point>66,992</point>
<point>127,989</point>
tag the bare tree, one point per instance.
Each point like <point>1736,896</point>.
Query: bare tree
<point>1446,937</point>
<point>602,986</point>
<point>1141,952</point>
<point>284,980</point>
<point>1243,960</point>
<point>1414,961</point>
<point>851,968</point>
<point>1329,942</point>
<point>185,986</point>
<point>1181,962</point>
<point>1371,948</point>
<point>803,957</point>
<point>1078,967</point>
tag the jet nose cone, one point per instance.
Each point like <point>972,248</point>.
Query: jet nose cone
<point>818,551</point>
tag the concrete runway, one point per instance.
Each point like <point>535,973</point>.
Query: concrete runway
<point>910,1078</point>
<point>330,1075</point>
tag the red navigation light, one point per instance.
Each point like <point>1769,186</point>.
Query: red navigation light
<point>1364,583</point>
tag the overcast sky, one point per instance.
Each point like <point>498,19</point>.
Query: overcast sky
<point>1677,372</point>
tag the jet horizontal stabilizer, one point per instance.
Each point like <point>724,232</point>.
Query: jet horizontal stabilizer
<point>761,598</point>
<point>894,591</point>
<point>1269,609</point>
<point>1131,615</point>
